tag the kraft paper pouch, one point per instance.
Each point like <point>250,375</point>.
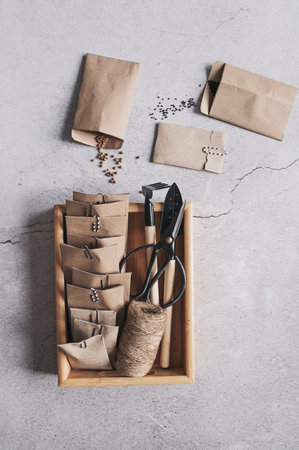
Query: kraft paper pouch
<point>112,299</point>
<point>74,208</point>
<point>191,148</point>
<point>107,198</point>
<point>110,209</point>
<point>93,242</point>
<point>97,226</point>
<point>98,316</point>
<point>105,100</point>
<point>89,280</point>
<point>99,260</point>
<point>85,330</point>
<point>100,198</point>
<point>248,100</point>
<point>87,198</point>
<point>88,354</point>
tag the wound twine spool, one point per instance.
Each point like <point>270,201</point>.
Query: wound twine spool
<point>140,339</point>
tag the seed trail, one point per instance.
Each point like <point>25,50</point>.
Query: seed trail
<point>167,106</point>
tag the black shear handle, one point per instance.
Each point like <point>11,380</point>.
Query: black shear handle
<point>157,276</point>
<point>149,270</point>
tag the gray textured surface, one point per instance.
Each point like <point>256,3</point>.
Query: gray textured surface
<point>245,225</point>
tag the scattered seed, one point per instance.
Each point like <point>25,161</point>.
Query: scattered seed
<point>137,157</point>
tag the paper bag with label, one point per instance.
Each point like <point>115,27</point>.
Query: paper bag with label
<point>88,354</point>
<point>105,100</point>
<point>248,100</point>
<point>191,148</point>
<point>93,280</point>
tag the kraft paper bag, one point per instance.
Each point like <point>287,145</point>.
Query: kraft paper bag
<point>98,316</point>
<point>88,354</point>
<point>74,208</point>
<point>107,198</point>
<point>248,100</point>
<point>97,226</point>
<point>105,100</point>
<point>191,148</point>
<point>93,280</point>
<point>116,208</point>
<point>93,242</point>
<point>99,260</point>
<point>88,209</point>
<point>87,198</point>
<point>111,298</point>
<point>85,330</point>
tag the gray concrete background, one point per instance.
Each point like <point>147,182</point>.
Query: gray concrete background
<point>245,224</point>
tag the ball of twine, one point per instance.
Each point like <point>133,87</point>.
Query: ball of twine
<point>140,339</point>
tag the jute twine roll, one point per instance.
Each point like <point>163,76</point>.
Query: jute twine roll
<point>140,339</point>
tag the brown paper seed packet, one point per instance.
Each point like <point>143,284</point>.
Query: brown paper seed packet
<point>88,354</point>
<point>93,280</point>
<point>85,330</point>
<point>248,100</point>
<point>97,226</point>
<point>98,316</point>
<point>111,299</point>
<point>99,260</point>
<point>105,100</point>
<point>191,148</point>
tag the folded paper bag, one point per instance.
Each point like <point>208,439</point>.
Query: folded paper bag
<point>111,299</point>
<point>87,198</point>
<point>97,281</point>
<point>105,100</point>
<point>85,330</point>
<point>78,240</point>
<point>88,354</point>
<point>100,198</point>
<point>99,260</point>
<point>248,100</point>
<point>98,316</point>
<point>97,226</point>
<point>117,208</point>
<point>191,148</point>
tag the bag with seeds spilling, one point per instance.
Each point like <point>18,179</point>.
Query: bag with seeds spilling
<point>89,280</point>
<point>248,100</point>
<point>88,354</point>
<point>99,260</point>
<point>85,330</point>
<point>97,226</point>
<point>191,148</point>
<point>105,100</point>
<point>112,299</point>
<point>97,316</point>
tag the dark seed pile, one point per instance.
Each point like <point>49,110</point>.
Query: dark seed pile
<point>213,85</point>
<point>167,106</point>
<point>103,157</point>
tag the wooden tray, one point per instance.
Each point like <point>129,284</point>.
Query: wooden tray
<point>181,369</point>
